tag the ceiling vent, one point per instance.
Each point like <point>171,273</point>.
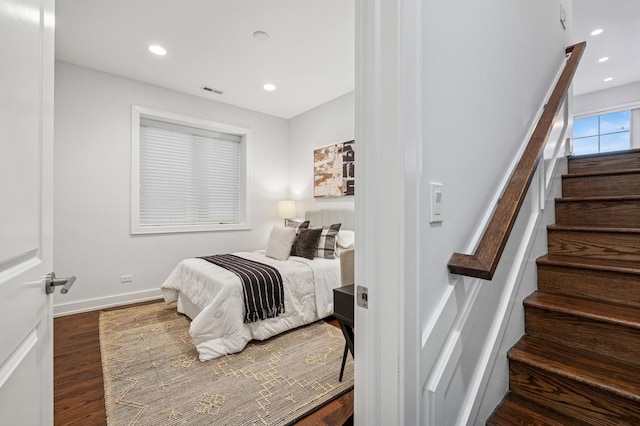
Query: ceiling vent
<point>209,89</point>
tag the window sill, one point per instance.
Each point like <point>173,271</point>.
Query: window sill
<point>172,229</point>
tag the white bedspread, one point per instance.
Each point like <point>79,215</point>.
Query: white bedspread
<point>217,293</point>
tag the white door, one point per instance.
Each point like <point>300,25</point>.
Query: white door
<point>26,211</point>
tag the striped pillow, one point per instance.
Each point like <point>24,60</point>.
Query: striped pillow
<point>289,223</point>
<point>327,243</point>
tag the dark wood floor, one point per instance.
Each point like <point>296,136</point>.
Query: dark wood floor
<point>78,386</point>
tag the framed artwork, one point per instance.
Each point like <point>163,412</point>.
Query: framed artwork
<point>334,170</point>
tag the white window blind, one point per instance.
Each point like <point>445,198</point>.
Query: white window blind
<point>188,176</point>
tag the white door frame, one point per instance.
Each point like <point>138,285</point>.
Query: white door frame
<point>388,211</point>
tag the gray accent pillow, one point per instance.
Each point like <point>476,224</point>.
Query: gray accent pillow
<point>306,243</point>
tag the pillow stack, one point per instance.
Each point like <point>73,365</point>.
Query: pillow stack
<point>298,239</point>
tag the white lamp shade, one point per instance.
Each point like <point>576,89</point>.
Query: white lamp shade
<point>286,209</point>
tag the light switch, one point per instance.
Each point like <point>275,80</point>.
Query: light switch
<point>435,205</point>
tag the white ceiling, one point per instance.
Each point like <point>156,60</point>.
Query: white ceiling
<point>620,41</point>
<point>310,55</point>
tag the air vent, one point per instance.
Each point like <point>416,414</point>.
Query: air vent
<point>209,89</point>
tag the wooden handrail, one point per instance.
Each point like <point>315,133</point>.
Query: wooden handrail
<point>483,262</point>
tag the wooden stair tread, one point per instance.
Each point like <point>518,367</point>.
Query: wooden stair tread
<point>615,377</point>
<point>590,263</point>
<point>517,411</point>
<point>599,198</point>
<point>581,354</point>
<point>582,228</point>
<point>605,211</point>
<point>604,154</point>
<point>586,308</point>
<point>605,173</point>
<point>620,160</point>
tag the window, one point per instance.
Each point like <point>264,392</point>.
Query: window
<point>602,133</point>
<point>187,174</point>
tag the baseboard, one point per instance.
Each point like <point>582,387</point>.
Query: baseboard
<point>105,302</point>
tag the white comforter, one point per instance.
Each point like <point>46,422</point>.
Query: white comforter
<point>217,293</point>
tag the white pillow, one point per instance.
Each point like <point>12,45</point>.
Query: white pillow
<point>346,239</point>
<point>280,242</point>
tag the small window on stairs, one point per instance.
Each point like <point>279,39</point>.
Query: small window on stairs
<point>602,133</point>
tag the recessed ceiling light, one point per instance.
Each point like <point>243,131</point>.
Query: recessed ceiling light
<point>269,87</point>
<point>260,35</point>
<point>597,32</point>
<point>158,50</point>
<point>603,59</point>
<point>608,79</point>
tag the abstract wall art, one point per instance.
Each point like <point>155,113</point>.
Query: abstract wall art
<point>334,170</point>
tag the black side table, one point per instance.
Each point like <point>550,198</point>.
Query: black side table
<point>343,311</point>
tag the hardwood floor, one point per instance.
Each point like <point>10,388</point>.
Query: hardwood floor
<point>77,378</point>
<point>78,385</point>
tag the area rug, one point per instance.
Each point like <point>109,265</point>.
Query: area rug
<point>152,375</point>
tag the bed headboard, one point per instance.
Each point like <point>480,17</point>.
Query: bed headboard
<point>326,217</point>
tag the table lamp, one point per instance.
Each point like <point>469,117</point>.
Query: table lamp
<point>286,210</point>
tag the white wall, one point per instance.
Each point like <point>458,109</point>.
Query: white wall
<point>618,97</point>
<point>447,92</point>
<point>327,124</point>
<point>487,67</point>
<point>92,187</point>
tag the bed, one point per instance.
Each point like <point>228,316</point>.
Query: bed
<point>212,296</point>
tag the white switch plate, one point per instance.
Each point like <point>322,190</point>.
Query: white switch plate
<point>435,204</point>
<point>126,279</point>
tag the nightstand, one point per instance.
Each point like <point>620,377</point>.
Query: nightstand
<point>343,311</point>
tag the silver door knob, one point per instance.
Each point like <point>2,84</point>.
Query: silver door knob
<point>51,282</point>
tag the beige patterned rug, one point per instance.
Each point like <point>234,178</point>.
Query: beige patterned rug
<point>152,375</point>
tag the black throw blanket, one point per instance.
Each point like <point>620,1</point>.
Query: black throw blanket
<point>262,285</point>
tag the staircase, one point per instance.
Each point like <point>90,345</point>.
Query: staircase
<point>579,360</point>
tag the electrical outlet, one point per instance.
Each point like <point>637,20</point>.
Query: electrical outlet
<point>126,278</point>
